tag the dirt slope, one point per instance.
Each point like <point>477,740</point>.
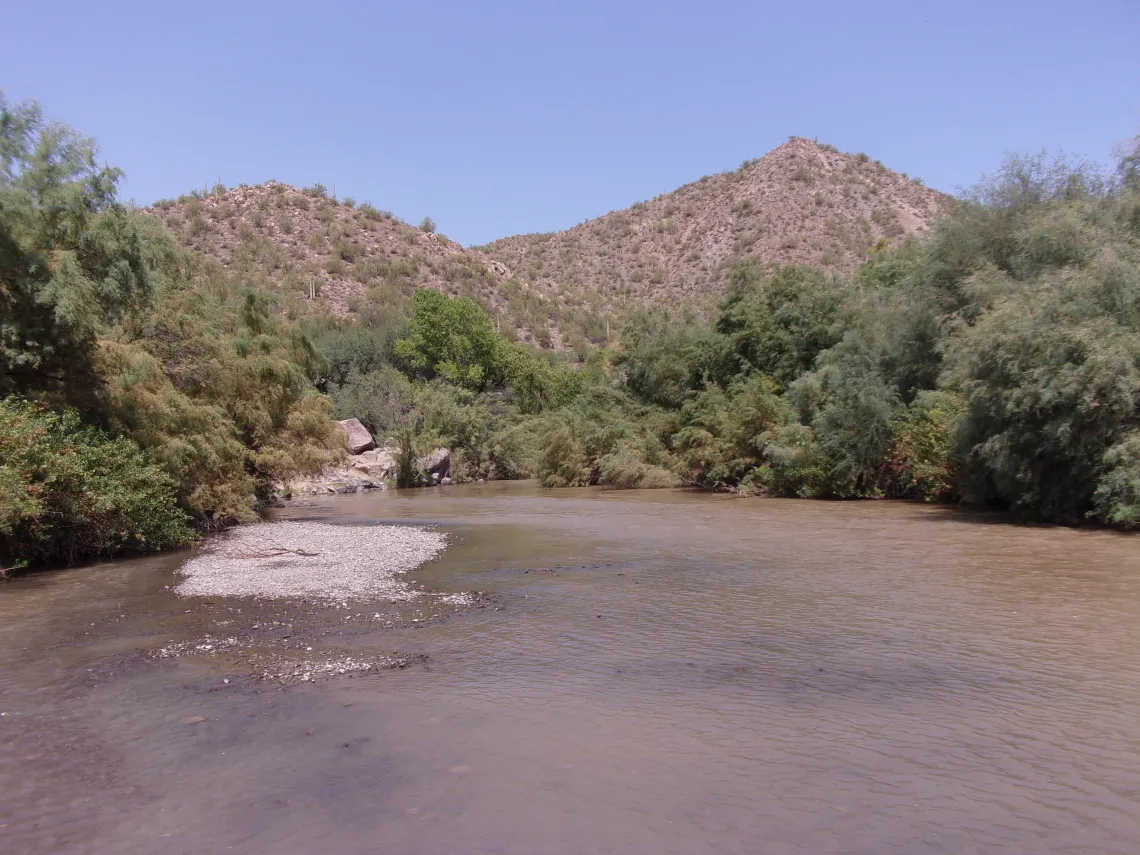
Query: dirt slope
<point>802,202</point>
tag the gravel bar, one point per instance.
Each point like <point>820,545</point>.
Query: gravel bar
<point>310,561</point>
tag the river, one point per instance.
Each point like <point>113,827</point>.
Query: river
<point>653,672</point>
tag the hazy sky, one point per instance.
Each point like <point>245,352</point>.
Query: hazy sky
<point>499,118</point>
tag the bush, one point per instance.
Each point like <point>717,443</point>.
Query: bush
<point>1117,497</point>
<point>793,464</point>
<point>427,224</point>
<point>407,459</point>
<point>624,469</point>
<point>382,399</point>
<point>563,461</point>
<point>69,492</point>
<point>926,464</point>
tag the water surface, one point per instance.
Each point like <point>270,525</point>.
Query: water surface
<point>659,672</point>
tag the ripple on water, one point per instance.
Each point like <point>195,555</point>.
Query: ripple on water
<point>747,676</point>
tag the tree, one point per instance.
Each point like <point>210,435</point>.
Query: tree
<point>452,338</point>
<point>852,416</point>
<point>665,356</point>
<point>70,258</point>
<point>777,323</point>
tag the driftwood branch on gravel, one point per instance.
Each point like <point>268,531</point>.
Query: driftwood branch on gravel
<point>274,552</point>
<point>271,549</point>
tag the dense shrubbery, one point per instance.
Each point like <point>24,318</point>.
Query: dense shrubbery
<point>69,491</point>
<point>194,389</point>
<point>446,378</point>
<point>995,360</point>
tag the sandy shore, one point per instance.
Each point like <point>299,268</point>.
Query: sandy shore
<point>310,561</point>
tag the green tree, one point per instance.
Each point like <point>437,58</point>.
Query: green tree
<point>723,434</point>
<point>1117,497</point>
<point>70,258</point>
<point>452,338</point>
<point>925,462</point>
<point>777,323</point>
<point>665,356</point>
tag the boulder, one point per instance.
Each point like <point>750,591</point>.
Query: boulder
<point>358,437</point>
<point>436,464</point>
<point>333,482</point>
<point>379,462</point>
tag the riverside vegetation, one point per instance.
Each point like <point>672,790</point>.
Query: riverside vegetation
<point>149,391</point>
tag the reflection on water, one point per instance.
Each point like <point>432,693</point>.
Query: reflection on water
<point>669,672</point>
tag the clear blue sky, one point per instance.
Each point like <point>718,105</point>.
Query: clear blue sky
<point>499,118</point>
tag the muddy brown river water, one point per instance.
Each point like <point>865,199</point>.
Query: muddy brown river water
<point>654,672</point>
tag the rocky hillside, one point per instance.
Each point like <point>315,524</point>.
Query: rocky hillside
<point>324,254</point>
<point>802,202</point>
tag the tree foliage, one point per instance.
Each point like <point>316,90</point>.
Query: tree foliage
<point>451,338</point>
<point>157,351</point>
<point>69,492</point>
<point>70,258</point>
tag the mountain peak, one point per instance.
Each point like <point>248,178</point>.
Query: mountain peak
<point>803,202</point>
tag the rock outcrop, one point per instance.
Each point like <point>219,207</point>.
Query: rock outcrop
<point>334,481</point>
<point>369,468</point>
<point>358,439</point>
<point>378,463</point>
<point>436,464</point>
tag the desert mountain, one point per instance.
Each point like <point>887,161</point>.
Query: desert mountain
<point>801,203</point>
<point>308,245</point>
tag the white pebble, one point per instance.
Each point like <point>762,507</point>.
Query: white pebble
<point>344,562</point>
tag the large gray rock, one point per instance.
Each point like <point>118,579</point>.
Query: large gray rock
<point>436,464</point>
<point>333,481</point>
<point>379,462</point>
<point>358,437</point>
